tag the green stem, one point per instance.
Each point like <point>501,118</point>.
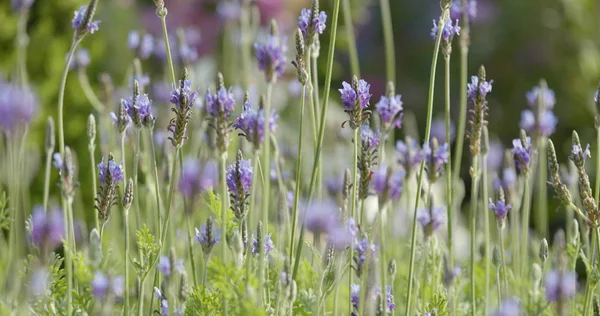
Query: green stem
<point>503,263</point>
<point>141,297</point>
<point>382,254</point>
<point>334,25</point>
<point>388,35</point>
<point>22,41</point>
<point>298,173</point>
<point>486,229</point>
<point>169,198</point>
<point>92,150</point>
<point>126,306</point>
<point>204,269</point>
<point>597,189</point>
<point>351,38</point>
<point>589,288</point>
<point>68,261</point>
<point>123,161</point>
<point>473,228</point>
<point>191,246</point>
<point>353,198</point>
<point>315,80</point>
<point>163,20</point>
<point>542,198</point>
<point>61,96</point>
<point>499,286</point>
<point>267,161</point>
<point>224,198</point>
<point>525,228</point>
<point>462,121</point>
<point>253,207</point>
<point>156,181</point>
<point>47,179</point>
<point>136,199</point>
<point>422,167</point>
<point>311,100</point>
<point>449,193</point>
<point>89,92</point>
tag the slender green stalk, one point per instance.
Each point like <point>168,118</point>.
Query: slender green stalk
<point>204,269</point>
<point>61,96</point>
<point>503,264</point>
<point>499,286</point>
<point>473,229</point>
<point>526,210</point>
<point>388,35</point>
<point>156,181</point>
<point>89,92</point>
<point>253,206</point>
<point>334,24</point>
<point>163,20</point>
<point>311,100</point>
<point>298,173</point>
<point>47,180</point>
<point>191,246</point>
<point>126,295</point>
<point>22,41</point>
<point>245,49</point>
<point>136,199</point>
<point>169,198</point>
<point>589,288</point>
<point>486,227</point>
<point>68,261</point>
<point>351,38</point>
<point>449,193</point>
<point>315,84</point>
<point>92,150</point>
<point>123,161</point>
<point>267,161</point>
<point>354,197</point>
<point>597,189</point>
<point>413,246</point>
<point>462,121</point>
<point>224,198</point>
<point>141,296</point>
<point>382,254</point>
<point>542,193</point>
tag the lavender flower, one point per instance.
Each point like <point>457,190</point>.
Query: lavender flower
<point>448,32</point>
<point>252,124</point>
<point>268,244</point>
<point>207,238</point>
<point>431,219</point>
<point>362,249</point>
<point>271,56</point>
<point>311,24</point>
<point>164,308</point>
<point>355,99</point>
<point>522,153</point>
<point>100,285</point>
<point>80,24</point>
<point>138,109</point>
<point>38,282</point>
<point>390,110</point>
<point>133,40</point>
<point>510,307</point>
<point>578,154</point>
<point>81,59</point>
<point>388,183</point>
<point>143,47</point>
<point>547,97</point>
<point>47,229</point>
<point>322,217</point>
<point>435,158</point>
<point>183,99</point>
<point>369,138</point>
<point>410,153</point>
<point>355,295</point>
<point>475,89</point>
<point>476,94</point>
<point>239,182</point>
<point>164,266</point>
<point>500,208</point>
<point>389,298</point>
<point>456,10</point>
<point>560,285</point>
<point>197,177</point>
<point>438,130</point>
<point>183,93</point>
<point>220,106</point>
<point>17,106</point>
<point>544,127</point>
<point>110,172</point>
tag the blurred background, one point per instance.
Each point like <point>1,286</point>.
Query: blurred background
<point>519,42</point>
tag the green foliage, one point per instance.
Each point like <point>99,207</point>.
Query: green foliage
<point>306,300</point>
<point>149,252</point>
<point>214,204</point>
<point>203,301</point>
<point>439,303</point>
<point>4,213</point>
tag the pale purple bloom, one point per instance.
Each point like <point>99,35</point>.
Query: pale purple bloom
<point>322,217</point>
<point>21,4</point>
<point>161,91</point>
<point>110,170</point>
<point>271,56</point>
<point>352,227</point>
<point>334,184</point>
<point>596,97</point>
<point>560,285</point>
<point>117,286</point>
<point>508,180</point>
<point>410,153</point>
<point>17,106</point>
<point>431,219</point>
<point>47,229</point>
<point>139,110</point>
<point>389,298</point>
<point>340,237</point>
<point>100,284</point>
<point>476,90</point>
<point>197,177</point>
<point>147,46</point>
<point>456,10</point>
<point>187,53</point>
<point>500,208</point>
<point>438,130</point>
<point>369,138</point>
<point>448,32</point>
<point>522,154</point>
<point>252,123</point>
<point>268,244</point>
<point>510,307</point>
<point>545,127</point>
<point>133,40</point>
<point>38,282</point>
<point>164,266</point>
<point>362,248</point>
<point>187,92</point>
<point>355,295</point>
<point>390,110</point>
<point>204,240</point>
<point>386,182</point>
<point>350,97</point>
<point>577,151</point>
<point>495,155</point>
<point>78,21</point>
<point>229,11</point>
<point>157,292</point>
<point>164,308</point>
<point>318,24</point>
<point>239,179</point>
<point>222,102</point>
<point>435,160</point>
<point>547,95</point>
<point>81,59</point>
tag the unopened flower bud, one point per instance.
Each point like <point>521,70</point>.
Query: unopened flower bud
<point>496,257</point>
<point>128,197</point>
<point>543,251</point>
<point>392,268</point>
<point>91,128</point>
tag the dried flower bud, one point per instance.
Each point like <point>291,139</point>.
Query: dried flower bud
<point>274,31</point>
<point>183,288</point>
<point>392,268</point>
<point>128,197</point>
<point>50,139</point>
<point>496,257</point>
<point>543,251</point>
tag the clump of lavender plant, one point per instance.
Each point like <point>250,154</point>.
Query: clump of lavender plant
<point>476,95</point>
<point>251,123</point>
<point>109,174</point>
<point>355,99</point>
<point>540,121</point>
<point>239,182</point>
<point>366,158</point>
<point>183,100</point>
<point>271,54</point>
<point>220,106</point>
<point>311,22</point>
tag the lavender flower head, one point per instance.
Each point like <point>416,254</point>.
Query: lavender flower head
<point>239,182</point>
<point>510,307</point>
<point>435,158</point>
<point>252,124</point>
<point>268,244</point>
<point>355,98</point>
<point>475,89</point>
<point>500,208</point>
<point>544,127</point>
<point>355,295</point>
<point>197,177</point>
<point>110,172</point>
<point>387,183</point>
<point>271,56</point>
<point>17,106</point>
<point>47,229</point>
<point>322,217</point>
<point>560,285</point>
<point>100,285</point>
<point>164,265</point>
<point>183,99</point>
<point>143,46</point>
<point>206,240</point>
<point>409,153</point>
<point>370,139</point>
<point>138,108</point>
<point>390,110</point>
<point>579,155</point>
<point>431,219</point>
<point>448,32</point>
<point>438,130</point>
<point>389,298</point>
<point>547,97</point>
<point>310,24</point>
<point>79,20</point>
<point>362,249</point>
<point>220,104</point>
<point>456,10</point>
<point>185,95</point>
<point>522,153</point>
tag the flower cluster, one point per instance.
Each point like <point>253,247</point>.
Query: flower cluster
<point>142,45</point>
<point>431,219</point>
<point>448,31</point>
<point>540,120</point>
<point>197,177</point>
<point>387,183</point>
<point>323,217</point>
<point>409,153</point>
<point>182,98</point>
<point>47,229</point>
<point>102,285</point>
<point>578,156</point>
<point>239,182</point>
<point>355,98</point>
<point>220,106</point>
<point>312,22</point>
<point>362,249</point>
<point>109,174</point>
<point>207,236</point>
<point>367,158</point>
<point>560,285</point>
<point>389,298</point>
<point>251,123</point>
<point>457,9</point>
<point>477,92</point>
<point>435,158</point>
<point>82,21</point>
<point>138,107</point>
<point>522,153</point>
<point>267,244</point>
<point>390,109</point>
<point>17,106</point>
<point>271,55</point>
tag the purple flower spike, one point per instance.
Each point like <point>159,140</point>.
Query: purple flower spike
<point>268,244</point>
<point>435,158</point>
<point>500,208</point>
<point>545,127</point>
<point>363,93</point>
<point>355,295</point>
<point>187,91</point>
<point>560,285</point>
<point>100,284</point>
<point>110,170</point>
<point>78,20</point>
<point>547,95</point>
<point>197,177</point>
<point>205,240</point>
<point>322,217</point>
<point>456,10</point>
<point>388,184</point>
<point>252,123</point>
<point>448,32</point>
<point>164,266</point>
<point>391,306</point>
<point>306,21</point>
<point>510,307</point>
<point>580,153</point>
<point>431,219</point>
<point>522,154</point>
<point>438,130</point>
<point>390,110</point>
<point>47,229</point>
<point>409,153</point>
<point>271,57</point>
<point>244,174</point>
<point>475,90</point>
<point>222,102</point>
<point>17,106</point>
<point>362,249</point>
<point>369,138</point>
<point>140,110</point>
<point>348,96</point>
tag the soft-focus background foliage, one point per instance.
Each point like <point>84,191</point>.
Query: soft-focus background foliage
<point>519,42</point>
